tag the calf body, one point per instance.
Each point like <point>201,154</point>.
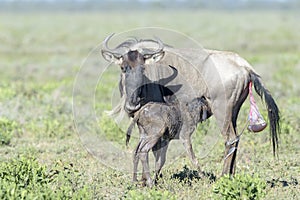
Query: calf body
<point>158,124</point>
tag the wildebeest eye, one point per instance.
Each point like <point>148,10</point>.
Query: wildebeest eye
<point>125,68</point>
<point>146,56</point>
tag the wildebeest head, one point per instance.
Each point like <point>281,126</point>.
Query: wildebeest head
<point>132,62</point>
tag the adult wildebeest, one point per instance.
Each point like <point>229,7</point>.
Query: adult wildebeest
<point>221,77</point>
<point>158,124</point>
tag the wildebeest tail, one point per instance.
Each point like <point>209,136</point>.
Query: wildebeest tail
<point>273,111</point>
<point>129,131</point>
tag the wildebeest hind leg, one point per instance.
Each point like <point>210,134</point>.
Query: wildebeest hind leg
<point>232,138</point>
<point>231,146</point>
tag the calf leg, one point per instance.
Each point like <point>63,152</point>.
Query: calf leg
<point>146,170</point>
<point>160,151</point>
<point>144,147</point>
<point>135,164</point>
<point>186,140</point>
<point>136,155</point>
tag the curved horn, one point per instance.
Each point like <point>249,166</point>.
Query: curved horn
<point>106,41</point>
<point>131,41</point>
<point>159,49</point>
<point>160,45</point>
<point>105,47</point>
<point>133,38</point>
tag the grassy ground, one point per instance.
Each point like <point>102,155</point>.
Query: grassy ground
<point>40,55</point>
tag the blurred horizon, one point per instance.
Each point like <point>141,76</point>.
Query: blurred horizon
<point>109,5</point>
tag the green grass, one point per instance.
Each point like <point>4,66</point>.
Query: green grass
<point>240,187</point>
<point>40,55</point>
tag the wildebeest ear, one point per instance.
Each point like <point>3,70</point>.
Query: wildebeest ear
<point>111,57</point>
<point>153,58</point>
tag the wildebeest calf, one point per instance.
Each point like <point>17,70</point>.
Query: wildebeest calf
<point>158,124</point>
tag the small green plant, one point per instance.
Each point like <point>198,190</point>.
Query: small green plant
<point>241,186</point>
<point>7,130</point>
<point>25,178</point>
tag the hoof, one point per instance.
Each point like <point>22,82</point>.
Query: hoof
<point>148,183</point>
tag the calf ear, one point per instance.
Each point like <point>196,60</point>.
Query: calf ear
<point>111,57</point>
<point>153,58</point>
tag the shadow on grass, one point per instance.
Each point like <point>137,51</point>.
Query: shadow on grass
<point>282,183</point>
<point>187,175</point>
